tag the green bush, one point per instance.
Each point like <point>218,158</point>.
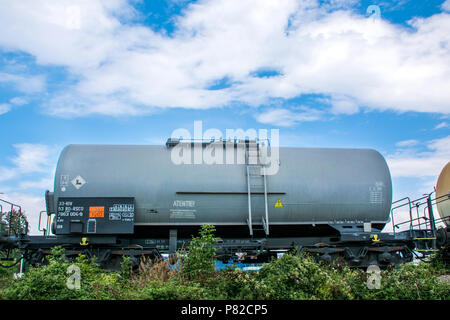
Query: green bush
<point>199,263</point>
<point>172,290</point>
<point>291,277</point>
<point>408,282</point>
<point>49,282</point>
<point>300,277</point>
<point>232,285</point>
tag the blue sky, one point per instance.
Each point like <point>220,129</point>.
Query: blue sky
<point>130,72</point>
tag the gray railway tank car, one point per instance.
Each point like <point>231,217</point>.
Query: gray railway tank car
<point>126,189</point>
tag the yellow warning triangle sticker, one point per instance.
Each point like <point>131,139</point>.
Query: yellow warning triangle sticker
<point>278,204</point>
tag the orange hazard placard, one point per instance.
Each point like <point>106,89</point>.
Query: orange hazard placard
<point>96,212</point>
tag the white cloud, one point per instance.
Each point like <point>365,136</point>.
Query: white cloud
<point>446,6</point>
<point>4,108</point>
<point>410,163</point>
<point>18,101</point>
<point>344,105</point>
<point>30,158</point>
<point>43,184</point>
<point>407,143</point>
<point>48,30</point>
<point>31,172</point>
<point>442,125</point>
<point>286,118</point>
<point>128,69</point>
<point>24,83</point>
<point>7,173</point>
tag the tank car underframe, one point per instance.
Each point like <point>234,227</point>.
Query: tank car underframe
<point>355,250</point>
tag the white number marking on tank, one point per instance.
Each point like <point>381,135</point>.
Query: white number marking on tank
<point>184,203</point>
<point>376,193</point>
<point>182,214</point>
<point>121,212</point>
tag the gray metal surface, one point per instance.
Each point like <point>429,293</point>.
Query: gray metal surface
<point>314,185</point>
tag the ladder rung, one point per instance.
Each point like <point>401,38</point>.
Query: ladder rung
<point>256,183</point>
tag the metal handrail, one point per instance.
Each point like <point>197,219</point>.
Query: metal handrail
<point>425,202</point>
<point>39,224</point>
<point>392,210</point>
<point>46,230</point>
<point>409,221</point>
<point>12,211</point>
<point>234,140</point>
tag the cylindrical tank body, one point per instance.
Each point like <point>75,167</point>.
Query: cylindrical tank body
<point>312,186</point>
<point>443,194</point>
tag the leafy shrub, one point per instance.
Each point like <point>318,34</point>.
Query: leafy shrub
<point>49,282</point>
<point>200,260</point>
<point>300,277</point>
<point>172,290</point>
<point>290,277</point>
<point>408,282</point>
<point>232,284</point>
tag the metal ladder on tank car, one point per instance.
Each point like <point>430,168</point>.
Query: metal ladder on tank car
<point>256,184</point>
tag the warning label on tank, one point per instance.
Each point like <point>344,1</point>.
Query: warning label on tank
<point>96,212</point>
<point>78,182</point>
<point>278,204</point>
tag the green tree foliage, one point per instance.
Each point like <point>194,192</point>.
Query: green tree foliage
<point>172,290</point>
<point>49,282</point>
<point>408,282</point>
<point>199,262</point>
<point>14,223</point>
<point>289,277</point>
